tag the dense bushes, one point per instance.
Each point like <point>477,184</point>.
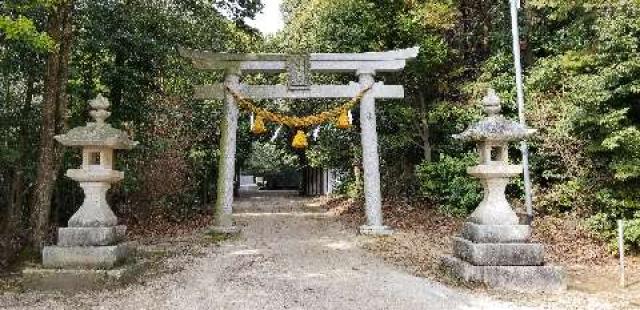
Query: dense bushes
<point>126,51</point>
<point>584,98</point>
<point>447,182</point>
<point>604,224</point>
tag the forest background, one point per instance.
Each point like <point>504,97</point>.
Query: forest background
<point>582,82</point>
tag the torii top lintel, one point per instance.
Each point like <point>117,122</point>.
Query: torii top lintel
<point>389,61</point>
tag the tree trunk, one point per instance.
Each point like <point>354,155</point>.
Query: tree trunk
<point>53,107</point>
<point>527,51</point>
<point>425,132</point>
<point>14,214</point>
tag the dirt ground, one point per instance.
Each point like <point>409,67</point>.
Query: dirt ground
<point>296,253</point>
<point>423,235</point>
<point>290,255</point>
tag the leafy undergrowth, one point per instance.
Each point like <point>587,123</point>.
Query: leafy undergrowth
<point>568,242</point>
<point>161,227</point>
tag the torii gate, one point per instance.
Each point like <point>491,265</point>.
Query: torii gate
<point>363,65</point>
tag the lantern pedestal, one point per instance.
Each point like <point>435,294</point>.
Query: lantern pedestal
<point>225,230</point>
<point>91,249</point>
<point>93,239</point>
<point>513,278</point>
<point>73,280</point>
<point>493,248</point>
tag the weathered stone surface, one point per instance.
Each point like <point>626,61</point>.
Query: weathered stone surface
<point>230,230</point>
<point>79,279</point>
<point>370,159</point>
<point>494,127</point>
<point>544,278</point>
<point>82,175</point>
<point>499,254</point>
<point>226,166</point>
<point>390,61</point>
<point>90,236</point>
<point>496,233</point>
<point>495,249</point>
<point>94,211</point>
<point>77,257</point>
<point>494,209</point>
<point>91,240</point>
<point>97,133</point>
<point>375,230</point>
<point>121,231</point>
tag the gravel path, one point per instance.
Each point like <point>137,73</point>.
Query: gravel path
<point>286,258</point>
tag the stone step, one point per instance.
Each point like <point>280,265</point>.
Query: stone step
<point>74,280</point>
<point>499,254</point>
<point>84,257</point>
<point>528,279</point>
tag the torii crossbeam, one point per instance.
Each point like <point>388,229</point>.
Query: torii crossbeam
<point>363,65</point>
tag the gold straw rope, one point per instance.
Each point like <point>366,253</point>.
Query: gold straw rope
<point>295,121</point>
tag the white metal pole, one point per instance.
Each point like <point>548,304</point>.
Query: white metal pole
<point>515,4</point>
<point>621,251</point>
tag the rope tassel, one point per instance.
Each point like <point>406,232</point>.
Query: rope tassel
<point>343,120</point>
<point>258,127</point>
<point>342,113</point>
<point>300,140</point>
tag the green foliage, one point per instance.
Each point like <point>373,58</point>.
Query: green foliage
<point>126,50</point>
<point>564,197</point>
<point>411,129</point>
<point>23,29</point>
<point>604,224</point>
<point>350,25</point>
<point>447,182</point>
<point>269,159</point>
<point>583,93</point>
<point>582,66</point>
<point>19,24</point>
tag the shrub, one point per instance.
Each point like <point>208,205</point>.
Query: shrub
<point>447,183</point>
<point>604,224</point>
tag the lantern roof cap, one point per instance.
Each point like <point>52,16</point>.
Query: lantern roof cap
<point>98,133</point>
<point>494,127</point>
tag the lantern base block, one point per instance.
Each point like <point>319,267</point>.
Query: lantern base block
<point>73,280</point>
<point>226,230</point>
<point>496,233</point>
<point>499,254</point>
<point>545,278</point>
<point>375,230</point>
<point>91,236</point>
<point>84,257</point>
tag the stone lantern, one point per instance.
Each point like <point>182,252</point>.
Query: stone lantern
<point>93,239</point>
<point>494,248</point>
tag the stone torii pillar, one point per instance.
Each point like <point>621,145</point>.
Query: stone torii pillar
<point>370,159</point>
<point>226,169</point>
<point>364,65</point>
